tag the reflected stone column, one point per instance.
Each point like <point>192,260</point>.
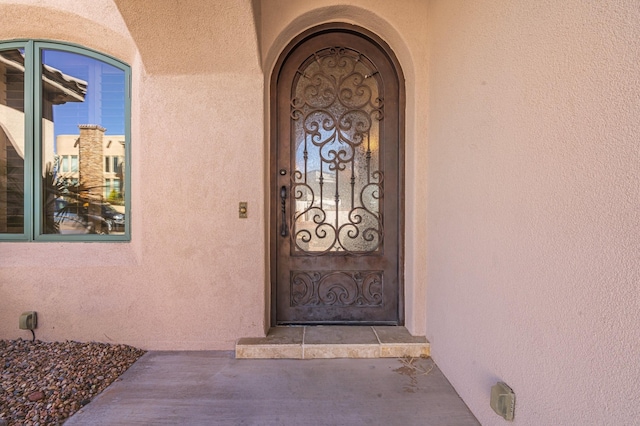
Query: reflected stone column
<point>90,170</point>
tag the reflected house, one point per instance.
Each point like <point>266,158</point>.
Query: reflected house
<point>104,160</point>
<point>11,141</point>
<point>58,88</point>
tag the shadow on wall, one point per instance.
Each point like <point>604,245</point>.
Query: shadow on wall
<point>59,25</point>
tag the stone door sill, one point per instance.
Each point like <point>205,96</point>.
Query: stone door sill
<point>313,342</point>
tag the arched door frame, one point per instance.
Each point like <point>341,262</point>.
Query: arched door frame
<point>273,137</point>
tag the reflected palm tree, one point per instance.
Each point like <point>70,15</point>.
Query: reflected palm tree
<point>62,197</point>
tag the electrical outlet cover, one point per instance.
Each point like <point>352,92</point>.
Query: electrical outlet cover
<point>28,320</point>
<point>503,400</point>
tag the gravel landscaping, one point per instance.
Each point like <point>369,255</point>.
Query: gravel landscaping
<point>43,383</point>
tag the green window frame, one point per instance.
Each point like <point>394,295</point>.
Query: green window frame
<point>45,186</point>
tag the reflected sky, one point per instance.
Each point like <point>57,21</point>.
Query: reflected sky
<point>105,98</point>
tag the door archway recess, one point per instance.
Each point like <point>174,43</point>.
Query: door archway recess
<point>337,180</point>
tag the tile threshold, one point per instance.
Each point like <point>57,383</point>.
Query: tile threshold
<point>322,342</point>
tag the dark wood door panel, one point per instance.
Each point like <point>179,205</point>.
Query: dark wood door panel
<point>337,192</point>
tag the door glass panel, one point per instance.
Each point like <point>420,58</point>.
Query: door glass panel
<point>337,181</point>
<point>12,134</point>
<point>83,125</point>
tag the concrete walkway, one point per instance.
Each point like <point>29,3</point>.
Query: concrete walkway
<point>214,388</point>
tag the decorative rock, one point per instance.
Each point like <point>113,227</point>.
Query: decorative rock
<point>46,382</point>
<point>35,396</point>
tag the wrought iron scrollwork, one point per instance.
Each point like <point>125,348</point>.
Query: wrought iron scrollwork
<point>337,187</point>
<point>339,289</point>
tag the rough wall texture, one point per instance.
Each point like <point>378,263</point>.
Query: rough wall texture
<point>522,189</point>
<point>534,206</point>
<point>193,36</point>
<point>95,24</point>
<point>193,275</point>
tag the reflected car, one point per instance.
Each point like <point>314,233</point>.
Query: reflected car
<point>114,218</point>
<point>74,218</point>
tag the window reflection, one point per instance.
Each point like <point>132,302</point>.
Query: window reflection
<point>83,145</point>
<point>12,136</point>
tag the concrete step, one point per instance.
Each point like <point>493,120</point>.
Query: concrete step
<point>312,342</point>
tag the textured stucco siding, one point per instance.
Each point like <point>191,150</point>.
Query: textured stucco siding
<point>534,206</point>
<point>522,218</point>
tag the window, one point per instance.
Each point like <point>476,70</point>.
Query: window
<point>64,166</point>
<point>68,164</point>
<point>111,163</point>
<point>107,187</point>
<point>64,143</point>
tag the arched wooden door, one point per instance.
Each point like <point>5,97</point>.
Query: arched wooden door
<point>337,187</point>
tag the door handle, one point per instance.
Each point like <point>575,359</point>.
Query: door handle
<point>284,229</point>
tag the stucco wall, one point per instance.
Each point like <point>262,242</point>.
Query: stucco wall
<point>522,188</point>
<point>96,24</point>
<point>193,276</point>
<point>534,206</point>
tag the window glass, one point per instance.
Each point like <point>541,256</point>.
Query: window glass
<point>337,155</point>
<point>12,141</point>
<point>64,164</point>
<point>107,187</point>
<point>64,129</point>
<point>83,107</point>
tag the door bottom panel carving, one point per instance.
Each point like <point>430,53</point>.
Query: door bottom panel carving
<point>337,288</point>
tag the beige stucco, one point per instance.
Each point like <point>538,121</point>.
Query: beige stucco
<point>534,220</point>
<point>193,275</point>
<point>522,188</point>
<point>96,24</point>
